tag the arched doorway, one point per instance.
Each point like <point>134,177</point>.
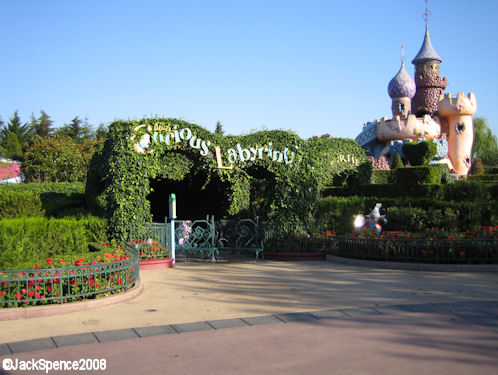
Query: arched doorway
<point>194,199</point>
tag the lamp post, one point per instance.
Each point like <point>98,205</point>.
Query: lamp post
<point>172,217</point>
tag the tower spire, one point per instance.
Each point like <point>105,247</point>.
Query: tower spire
<point>427,14</point>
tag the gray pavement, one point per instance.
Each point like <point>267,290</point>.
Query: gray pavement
<point>289,318</point>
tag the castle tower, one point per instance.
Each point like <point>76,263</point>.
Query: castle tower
<point>401,89</point>
<point>430,85</point>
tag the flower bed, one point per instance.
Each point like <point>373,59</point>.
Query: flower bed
<point>149,249</point>
<point>61,281</point>
<point>433,246</point>
<point>9,170</point>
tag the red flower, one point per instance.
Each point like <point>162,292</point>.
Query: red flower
<point>104,244</point>
<point>49,289</point>
<point>23,291</point>
<point>31,293</point>
<point>2,294</point>
<point>37,267</point>
<point>49,261</point>
<point>37,287</point>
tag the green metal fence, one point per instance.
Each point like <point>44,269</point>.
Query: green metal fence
<point>462,251</point>
<point>68,284</point>
<point>151,240</point>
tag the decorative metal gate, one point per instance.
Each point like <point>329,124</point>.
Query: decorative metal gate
<point>205,238</point>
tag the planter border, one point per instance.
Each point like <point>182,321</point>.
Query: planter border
<point>16,313</point>
<point>155,264</point>
<point>414,266</point>
<point>295,256</point>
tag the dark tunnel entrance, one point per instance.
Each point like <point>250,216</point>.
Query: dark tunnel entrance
<point>192,200</point>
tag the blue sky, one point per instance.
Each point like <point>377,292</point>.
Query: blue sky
<point>313,67</point>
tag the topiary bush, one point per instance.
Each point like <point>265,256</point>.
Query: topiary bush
<point>410,176</point>
<point>397,162</point>
<point>419,153</point>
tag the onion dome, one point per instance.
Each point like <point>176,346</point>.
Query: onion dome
<point>427,51</point>
<point>402,85</point>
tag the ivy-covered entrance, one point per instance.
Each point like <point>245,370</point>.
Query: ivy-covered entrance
<point>271,174</point>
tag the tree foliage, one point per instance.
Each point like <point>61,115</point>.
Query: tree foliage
<point>22,131</point>
<point>41,126</point>
<point>485,142</point>
<point>78,129</point>
<point>58,159</point>
<point>13,149</point>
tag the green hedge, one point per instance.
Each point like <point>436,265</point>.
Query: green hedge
<point>19,204</point>
<point>28,240</point>
<point>383,176</point>
<point>483,177</point>
<point>409,176</point>
<point>337,214</point>
<point>409,214</point>
<point>48,191</point>
<point>488,169</point>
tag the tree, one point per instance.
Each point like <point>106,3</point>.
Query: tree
<point>397,162</point>
<point>41,126</point>
<point>485,142</point>
<point>101,132</point>
<point>78,129</point>
<point>13,149</point>
<point>219,128</point>
<point>14,126</point>
<point>58,158</point>
<point>477,166</point>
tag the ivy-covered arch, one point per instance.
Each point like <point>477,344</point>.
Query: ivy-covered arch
<point>292,170</point>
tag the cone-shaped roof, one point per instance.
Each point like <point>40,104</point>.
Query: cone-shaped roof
<point>402,84</point>
<point>427,51</point>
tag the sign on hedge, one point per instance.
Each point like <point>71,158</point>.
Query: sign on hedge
<point>171,135</point>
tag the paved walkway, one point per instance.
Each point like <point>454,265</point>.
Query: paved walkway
<point>274,317</point>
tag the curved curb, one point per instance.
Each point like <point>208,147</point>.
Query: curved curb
<point>16,313</point>
<point>295,256</point>
<point>155,264</point>
<point>414,266</point>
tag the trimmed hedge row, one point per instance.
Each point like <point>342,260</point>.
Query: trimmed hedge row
<point>48,191</point>
<point>38,199</point>
<point>493,178</point>
<point>408,214</point>
<point>28,240</point>
<point>459,190</point>
<point>19,204</point>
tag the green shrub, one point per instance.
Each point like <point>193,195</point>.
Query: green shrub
<point>477,167</point>
<point>490,169</point>
<point>419,153</point>
<point>48,190</point>
<point>19,204</point>
<point>337,214</point>
<point>382,176</point>
<point>410,176</point>
<point>444,172</point>
<point>397,162</point>
<point>35,239</point>
<point>411,219</point>
<point>467,191</point>
<point>486,178</point>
